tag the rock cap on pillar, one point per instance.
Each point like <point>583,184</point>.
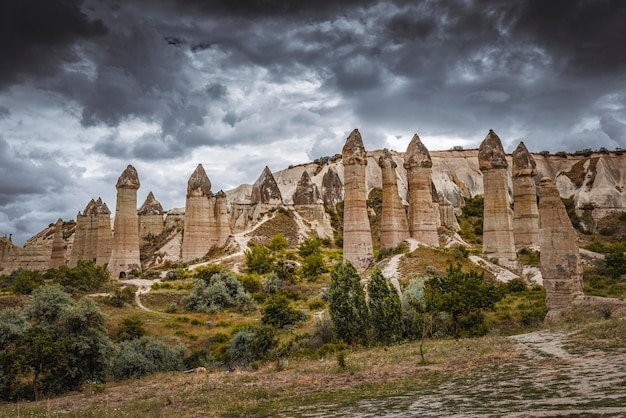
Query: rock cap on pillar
<point>417,154</point>
<point>199,183</point>
<point>491,154</point>
<point>523,163</point>
<point>353,151</point>
<point>151,206</point>
<point>129,179</point>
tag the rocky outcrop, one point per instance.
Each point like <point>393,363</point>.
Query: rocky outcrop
<point>332,188</point>
<point>92,236</point>
<point>221,213</point>
<point>306,191</point>
<point>497,221</point>
<point>561,267</point>
<point>200,230</point>
<point>125,246</point>
<point>265,189</point>
<point>423,214</point>
<point>9,255</point>
<point>526,213</point>
<point>394,228</point>
<point>357,236</point>
<point>57,258</point>
<point>151,220</point>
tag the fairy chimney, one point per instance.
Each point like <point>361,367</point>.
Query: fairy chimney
<point>221,212</point>
<point>57,258</point>
<point>150,218</point>
<point>394,228</point>
<point>265,189</point>
<point>526,213</point>
<point>497,224</point>
<point>125,247</point>
<point>423,213</point>
<point>200,229</point>
<point>332,188</point>
<point>104,235</point>
<point>560,258</point>
<point>306,191</point>
<point>357,236</point>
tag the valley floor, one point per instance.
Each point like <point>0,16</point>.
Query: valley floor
<point>547,373</point>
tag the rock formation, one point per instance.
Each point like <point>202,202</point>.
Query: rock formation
<point>306,191</point>
<point>150,218</point>
<point>394,228</point>
<point>9,256</point>
<point>221,213</point>
<point>57,258</point>
<point>92,236</point>
<point>423,214</point>
<point>560,259</point>
<point>265,189</point>
<point>307,202</point>
<point>200,230</point>
<point>125,248</point>
<point>526,213</point>
<point>497,220</point>
<point>332,188</point>
<point>357,236</point>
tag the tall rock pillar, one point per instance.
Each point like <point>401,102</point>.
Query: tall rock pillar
<point>221,213</point>
<point>357,235</point>
<point>150,218</point>
<point>423,214</point>
<point>125,247</point>
<point>394,228</point>
<point>526,213</point>
<point>57,258</point>
<point>104,235</point>
<point>497,220</point>
<point>560,258</point>
<point>200,224</point>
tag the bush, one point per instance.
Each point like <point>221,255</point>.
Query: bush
<point>273,283</point>
<point>252,343</point>
<point>23,282</point>
<point>130,328</point>
<point>251,283</point>
<point>278,312</point>
<point>259,259</point>
<point>310,246</point>
<point>316,304</point>
<point>313,267</point>
<point>385,309</point>
<point>278,242</point>
<point>146,355</point>
<point>223,290</point>
<point>85,276</point>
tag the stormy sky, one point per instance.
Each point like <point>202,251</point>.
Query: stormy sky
<point>88,87</point>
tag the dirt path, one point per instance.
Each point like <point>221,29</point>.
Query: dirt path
<point>552,377</point>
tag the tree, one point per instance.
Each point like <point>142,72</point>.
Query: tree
<point>347,306</point>
<point>65,345</point>
<point>259,259</point>
<point>309,246</point>
<point>130,328</point>
<point>313,266</point>
<point>277,311</point>
<point>460,294</point>
<point>278,242</point>
<point>146,355</point>
<point>385,309</point>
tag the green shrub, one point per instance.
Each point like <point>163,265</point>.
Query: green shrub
<point>252,343</point>
<point>259,259</point>
<point>310,246</point>
<point>85,276</point>
<point>146,355</point>
<point>278,243</point>
<point>385,309</point>
<point>23,282</point>
<point>313,267</point>
<point>346,304</point>
<point>277,311</point>
<point>222,290</point>
<point>130,328</point>
<point>316,304</point>
<point>251,283</point>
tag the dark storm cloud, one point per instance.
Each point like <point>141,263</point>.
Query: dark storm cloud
<point>36,36</point>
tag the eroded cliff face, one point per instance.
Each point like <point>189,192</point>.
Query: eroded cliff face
<point>596,182</point>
